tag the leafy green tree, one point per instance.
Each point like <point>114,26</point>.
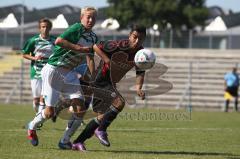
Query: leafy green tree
<point>178,13</point>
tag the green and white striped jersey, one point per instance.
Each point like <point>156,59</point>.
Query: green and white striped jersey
<point>37,46</point>
<point>75,34</point>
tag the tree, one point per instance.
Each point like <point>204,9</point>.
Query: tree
<point>178,13</point>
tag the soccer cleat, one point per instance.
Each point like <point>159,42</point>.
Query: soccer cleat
<point>65,146</point>
<point>103,137</point>
<point>32,136</point>
<point>79,147</point>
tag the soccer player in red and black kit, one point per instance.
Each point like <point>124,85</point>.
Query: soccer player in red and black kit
<point>117,59</point>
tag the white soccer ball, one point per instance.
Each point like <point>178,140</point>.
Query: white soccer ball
<point>145,59</point>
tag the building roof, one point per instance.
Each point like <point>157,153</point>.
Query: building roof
<point>214,12</point>
<point>15,9</point>
<point>232,20</point>
<point>51,13</point>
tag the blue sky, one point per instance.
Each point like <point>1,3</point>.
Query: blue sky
<point>225,4</point>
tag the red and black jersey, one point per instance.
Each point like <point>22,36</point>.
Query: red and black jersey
<point>122,60</point>
<point>115,46</point>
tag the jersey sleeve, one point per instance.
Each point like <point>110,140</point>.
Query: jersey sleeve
<point>108,47</point>
<point>73,33</point>
<point>29,46</point>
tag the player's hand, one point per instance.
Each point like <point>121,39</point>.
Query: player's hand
<point>141,94</point>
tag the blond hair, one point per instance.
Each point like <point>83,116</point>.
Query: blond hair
<point>85,9</point>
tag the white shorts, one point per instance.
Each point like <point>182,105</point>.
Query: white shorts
<point>36,85</point>
<point>56,81</point>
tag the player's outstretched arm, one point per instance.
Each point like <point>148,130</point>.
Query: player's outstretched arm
<point>32,58</point>
<point>74,47</point>
<point>101,54</point>
<point>139,84</point>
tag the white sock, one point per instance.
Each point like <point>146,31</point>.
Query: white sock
<point>39,119</point>
<point>73,124</point>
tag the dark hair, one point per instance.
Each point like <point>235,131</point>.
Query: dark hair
<point>234,69</point>
<point>45,20</point>
<point>139,28</point>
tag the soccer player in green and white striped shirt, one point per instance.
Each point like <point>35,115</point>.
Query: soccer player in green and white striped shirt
<point>38,49</point>
<point>58,75</point>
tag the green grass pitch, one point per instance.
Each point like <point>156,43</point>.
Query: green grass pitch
<point>137,134</point>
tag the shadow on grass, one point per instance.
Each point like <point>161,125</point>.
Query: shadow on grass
<point>226,155</point>
<point>233,156</point>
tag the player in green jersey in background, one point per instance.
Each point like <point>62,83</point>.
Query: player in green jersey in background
<point>38,49</point>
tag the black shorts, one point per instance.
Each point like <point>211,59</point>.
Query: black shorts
<point>103,97</point>
<point>233,91</point>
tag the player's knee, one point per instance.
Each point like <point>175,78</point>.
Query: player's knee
<point>49,112</point>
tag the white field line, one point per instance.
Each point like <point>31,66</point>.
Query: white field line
<point>147,130</point>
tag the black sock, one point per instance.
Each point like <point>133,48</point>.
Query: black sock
<point>108,117</point>
<point>88,131</point>
<point>226,105</point>
<point>236,104</point>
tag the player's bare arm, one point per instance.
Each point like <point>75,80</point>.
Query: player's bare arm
<point>75,47</point>
<point>102,55</point>
<point>33,58</point>
<point>139,84</point>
